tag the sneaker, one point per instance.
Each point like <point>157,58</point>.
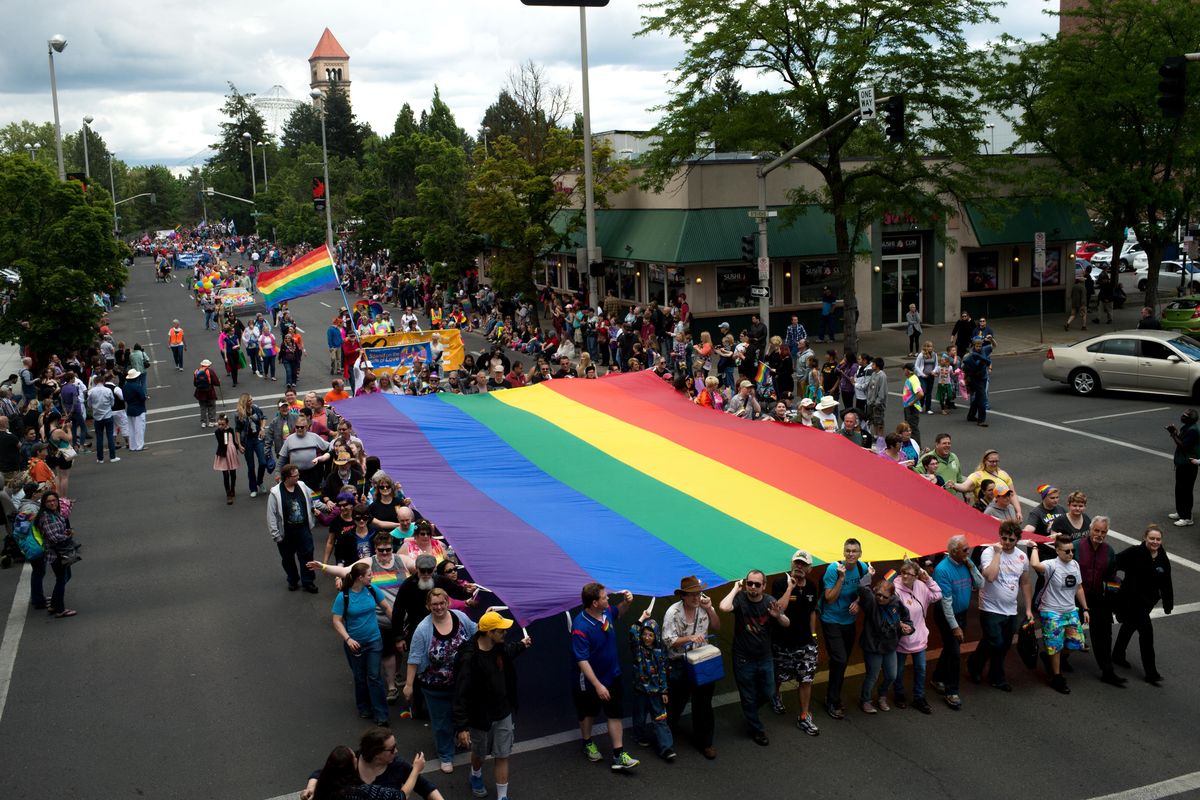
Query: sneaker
<point>1179,523</point>
<point>115,459</point>
<point>1173,515</point>
<point>591,751</point>
<point>254,494</point>
<point>447,767</point>
<point>623,761</point>
<point>477,787</point>
<point>867,708</point>
<point>939,687</point>
<point>667,755</point>
<point>835,712</point>
<point>954,701</point>
<point>922,705</point>
<point>777,705</point>
<point>1113,679</point>
<point>807,725</point>
<point>882,704</point>
<point>760,739</point>
<point>393,695</point>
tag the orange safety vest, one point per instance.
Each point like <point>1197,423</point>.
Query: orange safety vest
<point>435,317</point>
<point>175,335</point>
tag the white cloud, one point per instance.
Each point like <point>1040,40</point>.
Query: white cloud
<point>154,75</point>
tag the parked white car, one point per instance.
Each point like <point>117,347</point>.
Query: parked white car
<point>1132,360</point>
<point>1169,273</point>
<point>1132,256</point>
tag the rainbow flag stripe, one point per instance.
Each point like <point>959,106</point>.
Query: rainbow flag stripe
<point>309,274</point>
<point>545,488</point>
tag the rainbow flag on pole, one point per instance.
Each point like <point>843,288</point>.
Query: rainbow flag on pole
<point>623,481</point>
<point>311,273</point>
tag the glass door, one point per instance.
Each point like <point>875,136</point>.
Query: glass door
<point>902,285</point>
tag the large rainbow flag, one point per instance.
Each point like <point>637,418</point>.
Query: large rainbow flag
<point>623,481</point>
<point>309,274</point>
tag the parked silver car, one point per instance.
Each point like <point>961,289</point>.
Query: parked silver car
<point>1132,360</point>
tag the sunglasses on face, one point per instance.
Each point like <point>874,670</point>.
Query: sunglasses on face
<point>383,549</point>
<point>358,518</point>
<point>752,584</point>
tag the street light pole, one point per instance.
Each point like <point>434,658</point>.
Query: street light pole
<point>253,181</point>
<point>262,147</point>
<point>316,95</point>
<point>112,186</point>
<point>589,198</point>
<point>87,166</point>
<point>56,44</point>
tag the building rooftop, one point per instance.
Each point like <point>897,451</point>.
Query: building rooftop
<point>328,47</point>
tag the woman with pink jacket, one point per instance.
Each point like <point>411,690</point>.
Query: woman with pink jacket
<point>918,591</point>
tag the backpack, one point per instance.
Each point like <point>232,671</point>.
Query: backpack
<point>27,537</point>
<point>202,380</point>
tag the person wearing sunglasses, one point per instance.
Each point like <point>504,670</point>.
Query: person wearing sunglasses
<point>1060,605</point>
<point>753,668</point>
<point>1005,576</point>
<point>353,543</point>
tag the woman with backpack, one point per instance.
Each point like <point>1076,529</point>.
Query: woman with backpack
<point>249,425</point>
<point>356,623</point>
<point>54,525</point>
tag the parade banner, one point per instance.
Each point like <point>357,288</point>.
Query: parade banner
<point>189,259</point>
<point>397,353</point>
<point>624,482</point>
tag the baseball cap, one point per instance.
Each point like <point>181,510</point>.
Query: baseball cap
<point>802,556</point>
<point>746,385</point>
<point>808,402</point>
<point>426,562</point>
<point>1001,488</point>
<point>492,621</point>
<point>723,325</point>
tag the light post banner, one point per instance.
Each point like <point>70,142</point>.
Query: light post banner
<point>397,353</point>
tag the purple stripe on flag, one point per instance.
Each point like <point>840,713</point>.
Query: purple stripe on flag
<point>495,537</point>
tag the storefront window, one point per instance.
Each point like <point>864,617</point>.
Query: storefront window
<point>983,271</point>
<point>1052,274</point>
<point>733,286</point>
<point>622,279</point>
<point>813,276</point>
<point>674,283</point>
<point>573,279</point>
<point>552,272</point>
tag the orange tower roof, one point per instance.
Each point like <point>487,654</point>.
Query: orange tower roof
<point>328,47</point>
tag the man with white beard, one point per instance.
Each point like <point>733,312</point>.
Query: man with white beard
<point>409,608</point>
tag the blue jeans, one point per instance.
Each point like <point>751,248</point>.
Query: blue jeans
<point>290,371</point>
<point>825,327</point>
<point>268,365</point>
<point>873,662</point>
<point>105,428</point>
<point>370,695</point>
<point>647,725</point>
<point>256,452</point>
<point>58,596</point>
<point>918,660</point>
<point>37,590</point>
<point>440,702</point>
<point>998,631</point>
<point>209,320</point>
<point>79,431</point>
<point>755,681</point>
<point>255,360</point>
<point>177,354</point>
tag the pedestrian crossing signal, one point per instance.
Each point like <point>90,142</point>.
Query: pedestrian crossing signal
<point>318,193</point>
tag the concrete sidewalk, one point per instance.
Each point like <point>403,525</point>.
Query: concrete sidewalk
<point>1014,335</point>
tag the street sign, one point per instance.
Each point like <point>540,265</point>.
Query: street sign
<point>755,213</point>
<point>866,102</point>
<point>760,291</point>
<point>1039,241</point>
<point>764,268</point>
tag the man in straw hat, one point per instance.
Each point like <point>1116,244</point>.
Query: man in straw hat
<point>687,624</point>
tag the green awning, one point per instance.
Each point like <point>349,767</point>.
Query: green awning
<point>1015,220</point>
<point>700,236</point>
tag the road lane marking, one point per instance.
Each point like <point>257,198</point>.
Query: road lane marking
<point>1175,559</point>
<point>322,302</point>
<point>171,419</point>
<point>12,634</point>
<point>1022,389</point>
<point>1154,791</point>
<point>179,439</point>
<point>1110,416</point>
<point>266,397</point>
<point>1096,436</point>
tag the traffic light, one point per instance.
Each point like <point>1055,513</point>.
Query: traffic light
<point>893,119</point>
<point>1172,87</point>
<point>82,178</point>
<point>748,248</point>
<point>318,193</point>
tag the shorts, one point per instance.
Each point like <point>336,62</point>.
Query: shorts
<point>589,704</point>
<point>875,414</point>
<point>795,664</point>
<point>1061,631</point>
<point>498,741</point>
<point>389,637</point>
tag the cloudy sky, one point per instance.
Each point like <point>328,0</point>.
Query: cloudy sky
<point>153,74</point>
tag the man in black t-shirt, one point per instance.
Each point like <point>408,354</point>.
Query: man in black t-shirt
<point>794,647</point>
<point>290,521</point>
<point>1039,518</point>
<point>753,671</point>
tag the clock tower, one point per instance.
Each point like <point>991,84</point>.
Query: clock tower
<point>329,64</point>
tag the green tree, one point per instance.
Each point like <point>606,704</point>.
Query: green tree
<point>814,55</point>
<point>441,224</point>
<point>1086,100</point>
<point>439,121</point>
<point>232,156</point>
<point>530,208</point>
<point>344,135</point>
<point>60,241</point>
<point>303,126</point>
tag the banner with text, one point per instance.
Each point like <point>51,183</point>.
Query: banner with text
<point>397,353</point>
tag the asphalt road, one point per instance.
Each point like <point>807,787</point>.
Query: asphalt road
<point>191,673</point>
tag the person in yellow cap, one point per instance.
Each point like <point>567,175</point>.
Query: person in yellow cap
<point>485,697</point>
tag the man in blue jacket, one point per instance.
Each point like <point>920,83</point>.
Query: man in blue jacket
<point>957,577</point>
